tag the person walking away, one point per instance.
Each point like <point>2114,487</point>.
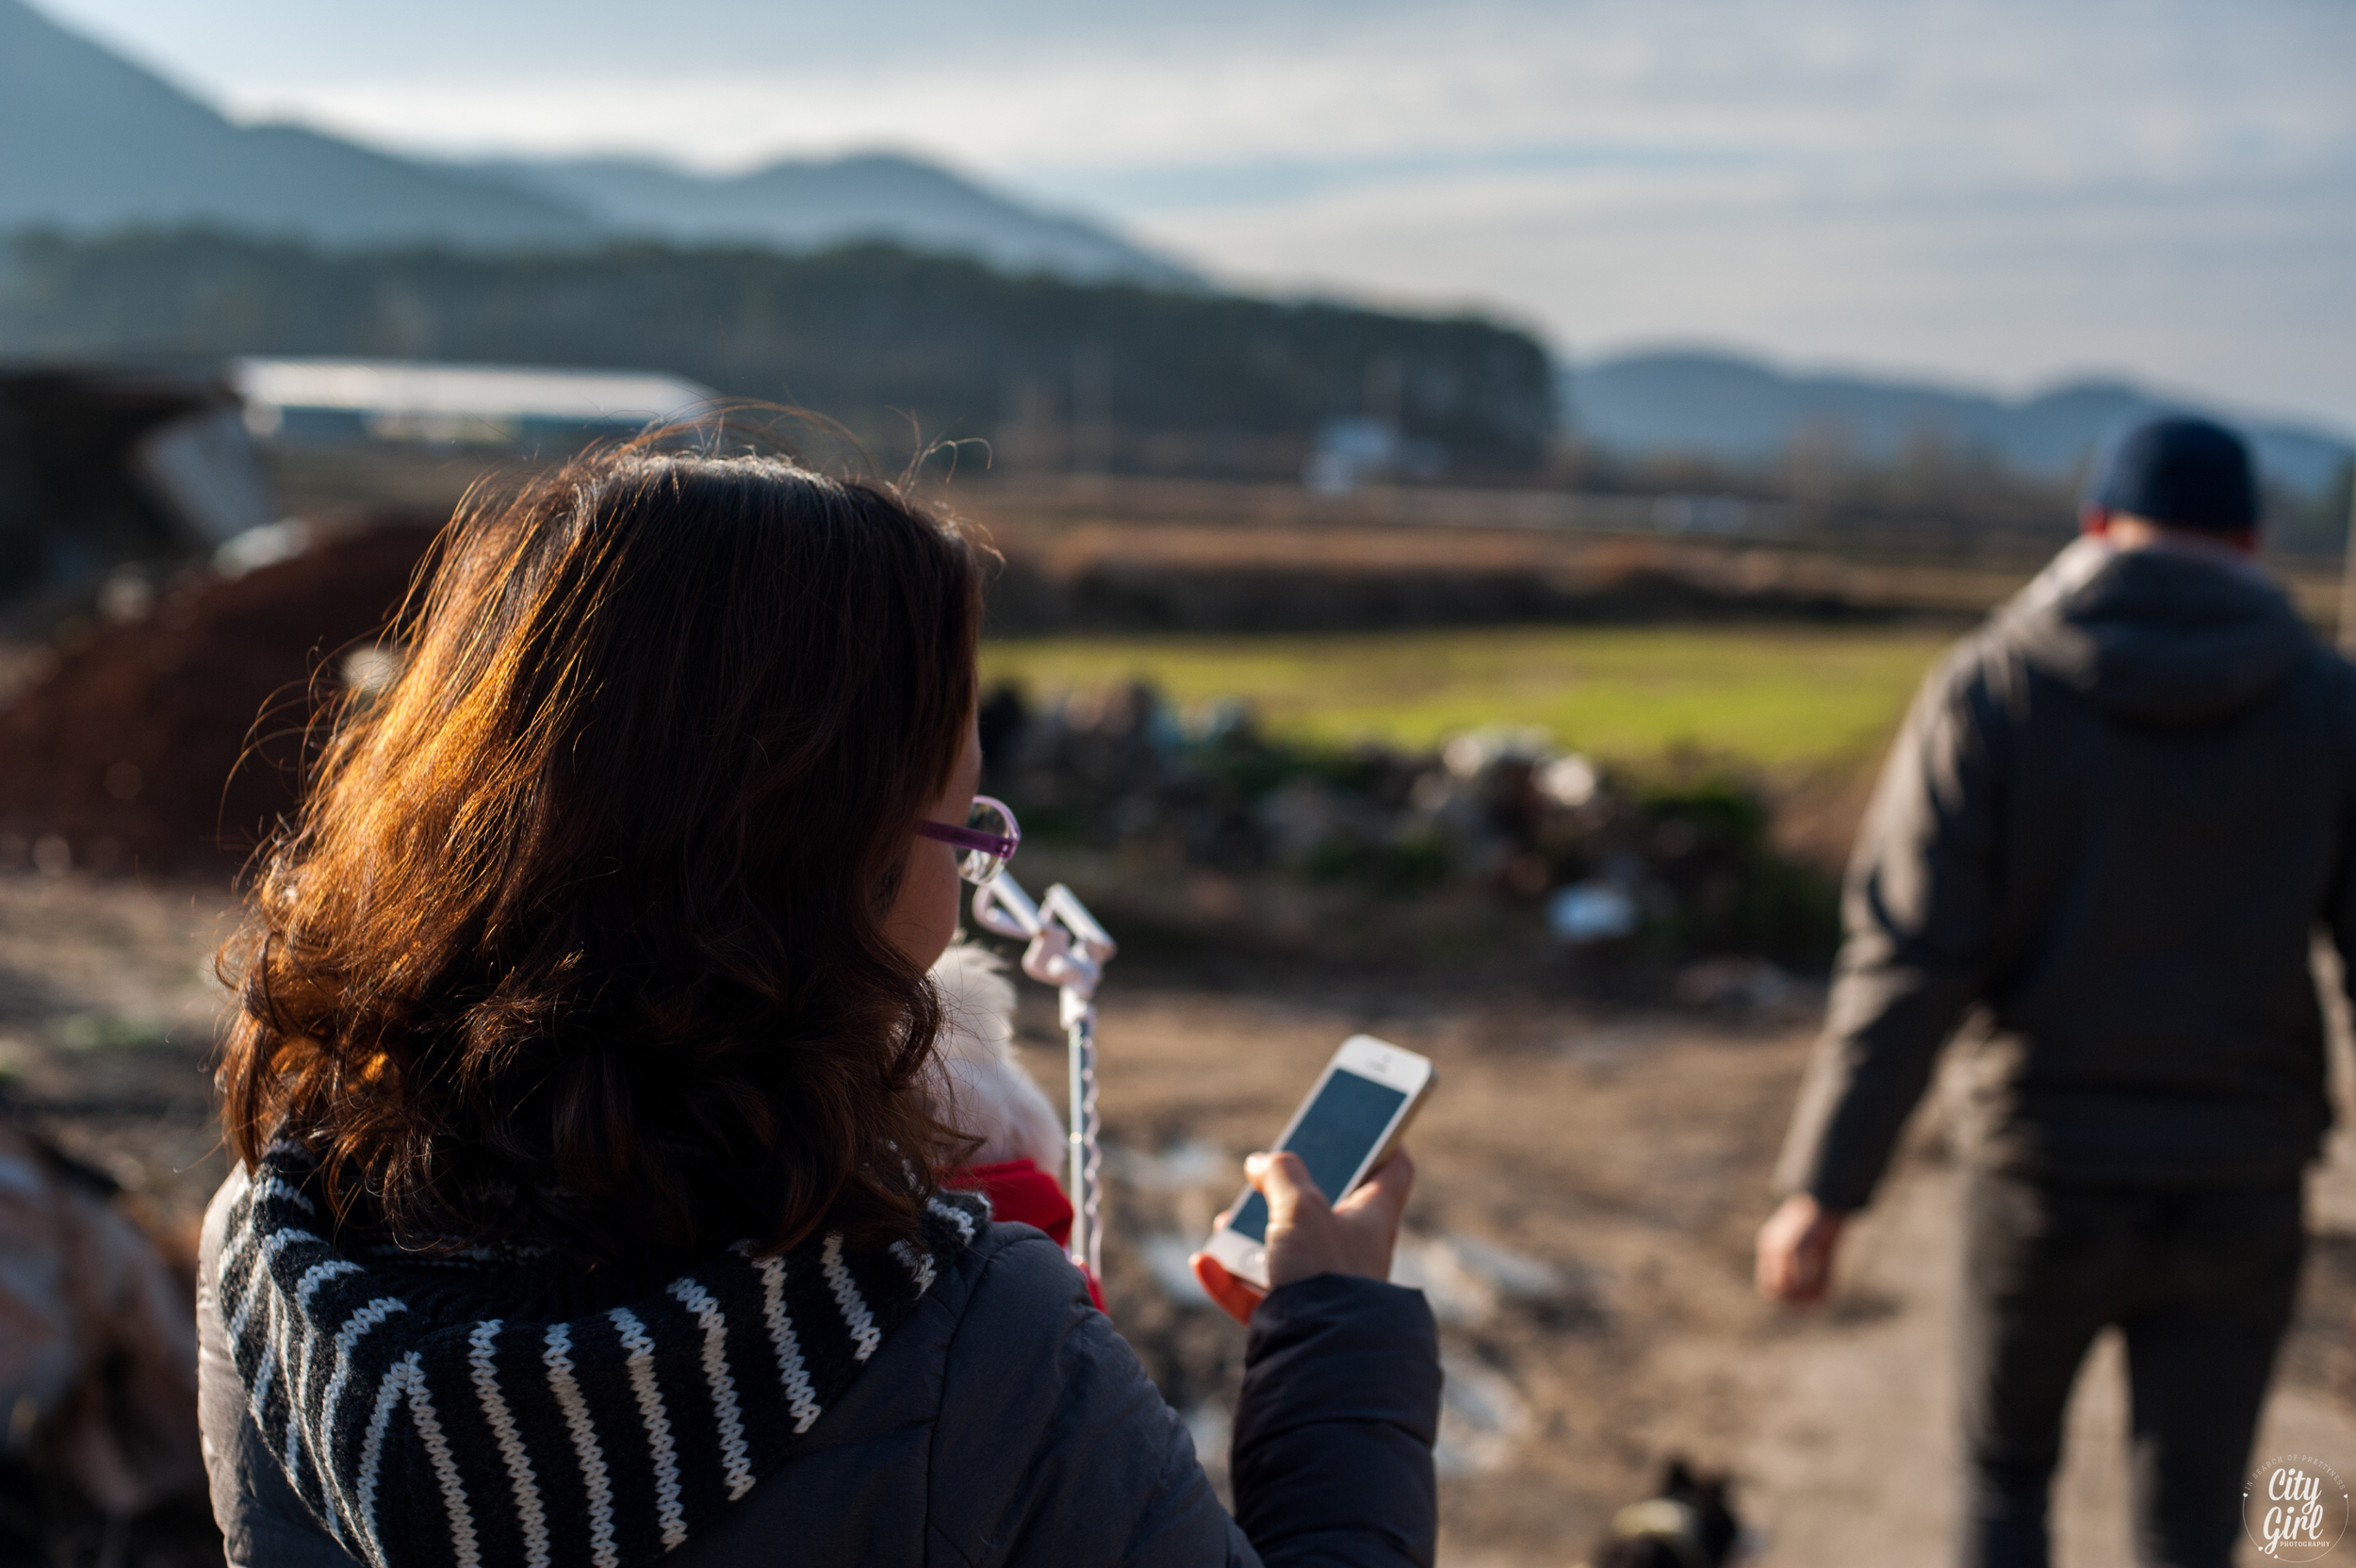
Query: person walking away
<point>2103,841</point>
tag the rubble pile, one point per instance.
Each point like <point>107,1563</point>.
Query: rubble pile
<point>167,735</point>
<point>1676,864</point>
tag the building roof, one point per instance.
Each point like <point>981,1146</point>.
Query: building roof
<point>404,397</point>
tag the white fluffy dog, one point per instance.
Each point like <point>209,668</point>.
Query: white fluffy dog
<point>979,1087</point>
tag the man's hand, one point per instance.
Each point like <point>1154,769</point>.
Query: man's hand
<point>1307,1235</point>
<point>1796,1250</point>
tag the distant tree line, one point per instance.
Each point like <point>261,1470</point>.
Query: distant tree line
<point>896,345</point>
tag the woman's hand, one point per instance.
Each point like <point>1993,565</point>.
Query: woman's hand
<point>1796,1248</point>
<point>1307,1235</point>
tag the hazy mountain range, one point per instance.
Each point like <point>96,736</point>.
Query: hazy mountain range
<point>1739,412</point>
<point>797,204</point>
<point>91,141</point>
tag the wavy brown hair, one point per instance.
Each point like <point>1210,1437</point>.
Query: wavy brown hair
<point>577,938</point>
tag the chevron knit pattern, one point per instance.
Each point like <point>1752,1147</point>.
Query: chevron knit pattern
<point>605,1441</point>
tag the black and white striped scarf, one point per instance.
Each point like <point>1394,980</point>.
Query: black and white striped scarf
<point>423,1436</point>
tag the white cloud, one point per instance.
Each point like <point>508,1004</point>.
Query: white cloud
<point>1926,87</point>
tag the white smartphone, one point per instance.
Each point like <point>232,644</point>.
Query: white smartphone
<point>1349,1125</point>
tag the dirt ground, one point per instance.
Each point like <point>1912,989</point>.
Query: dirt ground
<point>1590,1181</point>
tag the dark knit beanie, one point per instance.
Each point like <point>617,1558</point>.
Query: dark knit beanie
<point>2179,471</point>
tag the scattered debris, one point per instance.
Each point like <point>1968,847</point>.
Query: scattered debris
<point>1459,1297</point>
<point>265,544</point>
<point>98,1368</point>
<point>1679,863</point>
<point>1185,1165</point>
<point>1212,1426</point>
<point>1735,982</point>
<point>1516,1276</point>
<point>1594,911</point>
<point>1466,1280</point>
<point>1166,1254</point>
<point>1482,1419</point>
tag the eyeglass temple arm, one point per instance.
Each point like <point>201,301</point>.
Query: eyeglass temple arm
<point>967,838</point>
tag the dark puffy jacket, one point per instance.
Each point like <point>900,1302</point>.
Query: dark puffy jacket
<point>1006,1422</point>
<point>2111,826</point>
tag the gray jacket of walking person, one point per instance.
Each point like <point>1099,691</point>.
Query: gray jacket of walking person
<point>1002,1420</point>
<point>2104,838</point>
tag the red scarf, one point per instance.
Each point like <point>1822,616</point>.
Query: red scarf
<point>1018,1191</point>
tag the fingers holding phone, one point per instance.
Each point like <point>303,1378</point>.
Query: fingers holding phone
<point>1307,1235</point>
<point>1353,1117</point>
<point>1342,1141</point>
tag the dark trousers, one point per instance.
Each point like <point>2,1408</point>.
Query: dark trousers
<point>2201,1283</point>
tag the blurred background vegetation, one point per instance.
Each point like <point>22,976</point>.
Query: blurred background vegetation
<point>1790,698</point>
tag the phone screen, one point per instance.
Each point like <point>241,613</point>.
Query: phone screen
<point>1340,1128</point>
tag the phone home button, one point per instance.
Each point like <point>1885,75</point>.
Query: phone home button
<point>1255,1263</point>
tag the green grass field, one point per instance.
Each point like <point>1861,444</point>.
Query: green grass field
<point>1782,697</point>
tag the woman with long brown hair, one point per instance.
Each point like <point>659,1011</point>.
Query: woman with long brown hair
<point>587,1206</point>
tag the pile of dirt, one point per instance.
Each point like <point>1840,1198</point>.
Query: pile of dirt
<point>172,741</point>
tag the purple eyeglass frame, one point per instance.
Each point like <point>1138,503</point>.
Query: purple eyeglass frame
<point>1000,846</point>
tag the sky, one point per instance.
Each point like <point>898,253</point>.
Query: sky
<point>2000,194</point>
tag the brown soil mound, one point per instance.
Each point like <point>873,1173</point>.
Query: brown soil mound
<point>173,743</point>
